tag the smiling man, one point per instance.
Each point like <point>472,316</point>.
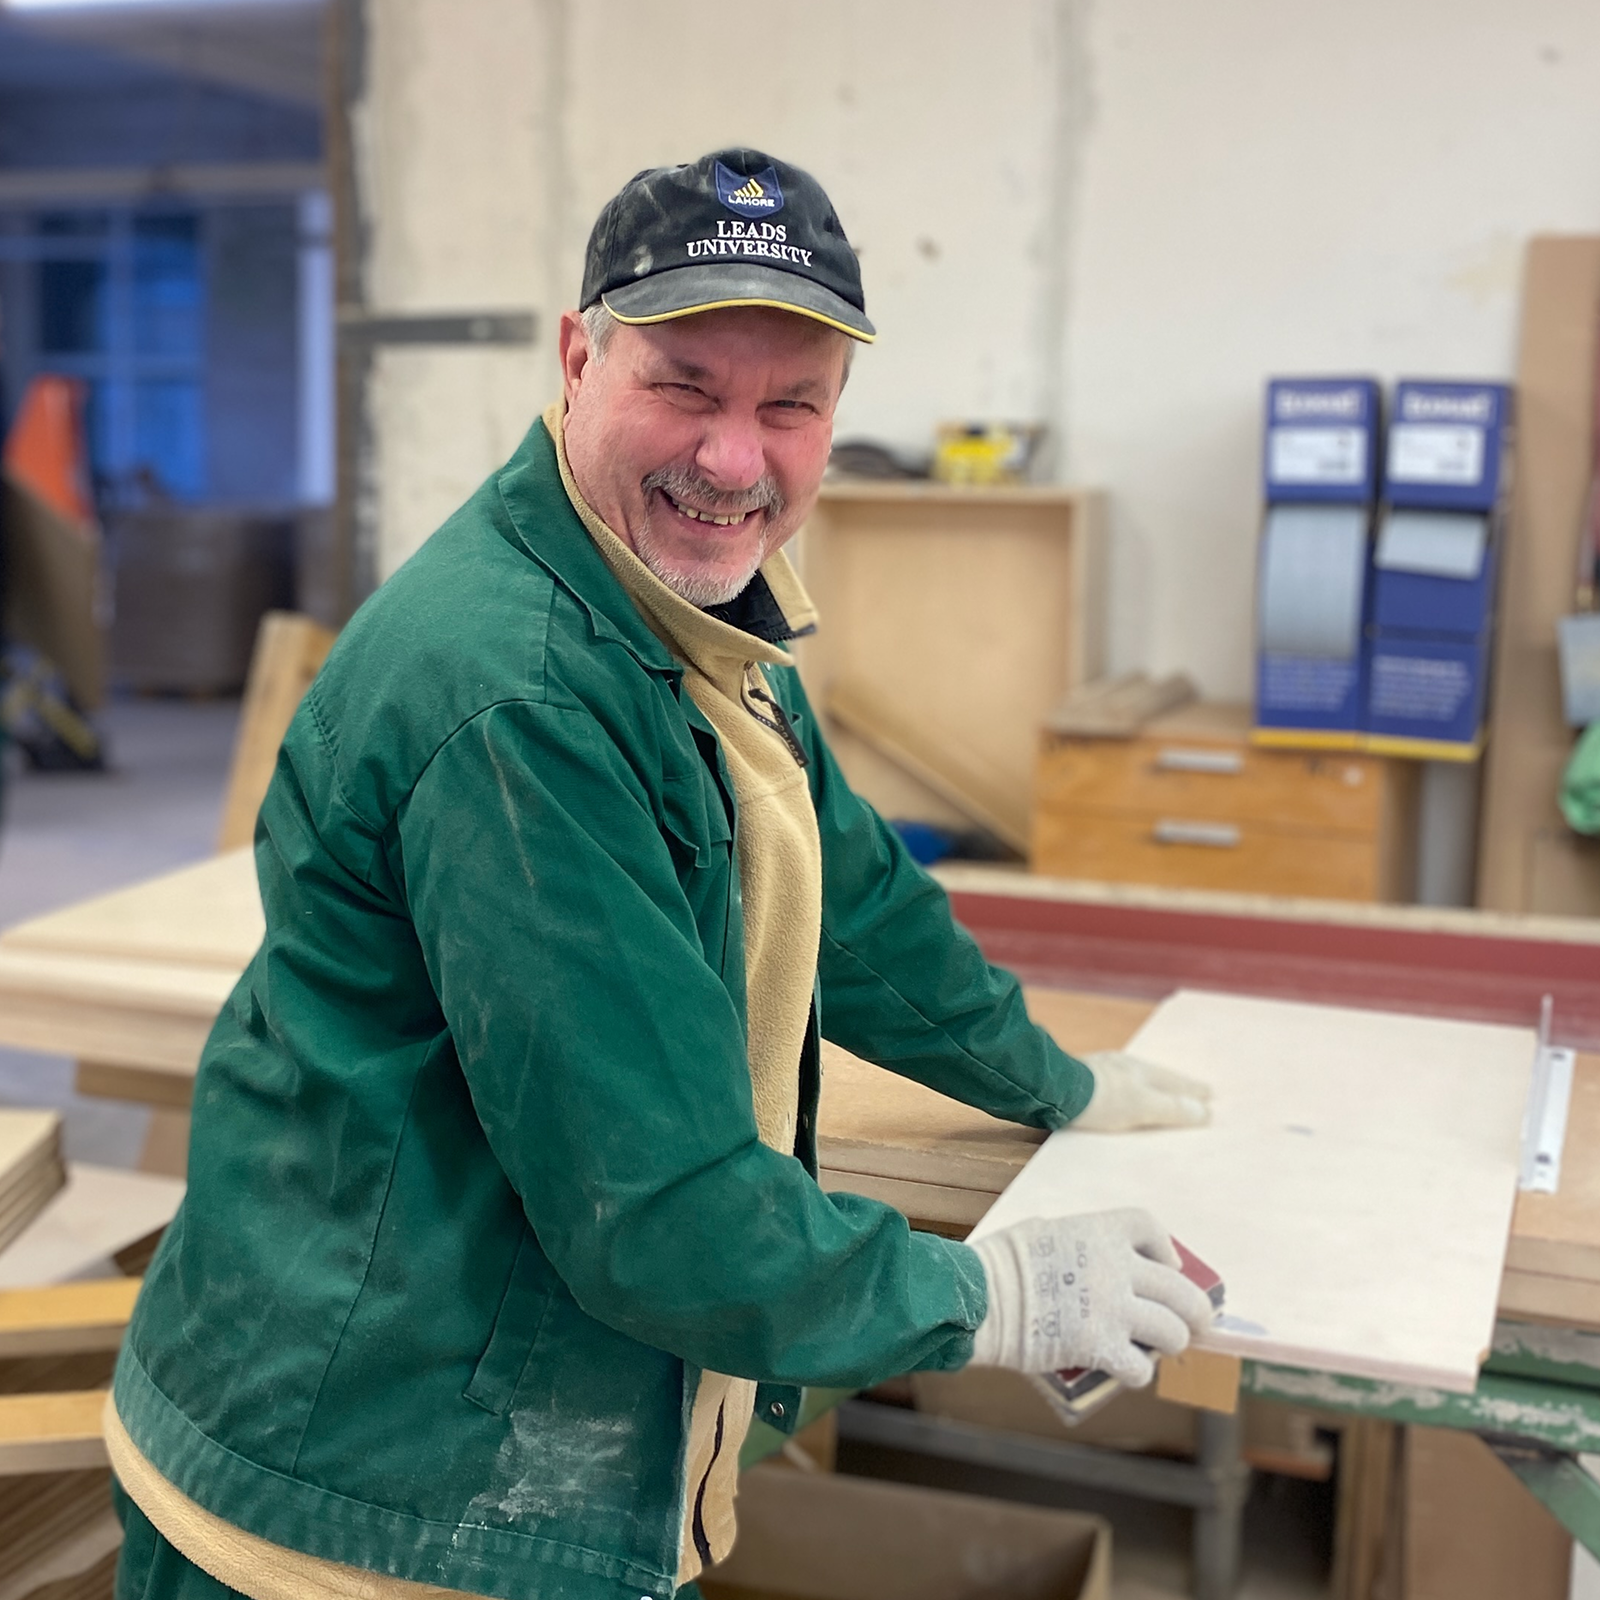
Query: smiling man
<point>502,1218</point>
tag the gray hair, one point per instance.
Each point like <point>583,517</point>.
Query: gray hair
<point>599,325</point>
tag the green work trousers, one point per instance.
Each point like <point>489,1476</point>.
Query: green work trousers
<point>150,1569</point>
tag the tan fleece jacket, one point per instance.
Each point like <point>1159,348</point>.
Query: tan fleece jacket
<point>780,877</point>
<point>780,870</point>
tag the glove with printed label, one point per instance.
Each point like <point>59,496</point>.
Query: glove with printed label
<point>1086,1292</point>
<point>1132,1093</point>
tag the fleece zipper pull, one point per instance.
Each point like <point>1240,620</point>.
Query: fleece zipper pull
<point>778,721</point>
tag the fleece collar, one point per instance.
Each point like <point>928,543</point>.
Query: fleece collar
<point>772,609</point>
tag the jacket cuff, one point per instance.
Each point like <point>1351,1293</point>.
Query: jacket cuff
<point>1077,1091</point>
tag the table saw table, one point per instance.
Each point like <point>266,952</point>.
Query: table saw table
<point>128,985</point>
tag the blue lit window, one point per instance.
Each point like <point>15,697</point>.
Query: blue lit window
<point>121,304</point>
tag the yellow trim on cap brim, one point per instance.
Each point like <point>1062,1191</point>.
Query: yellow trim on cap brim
<point>720,305</point>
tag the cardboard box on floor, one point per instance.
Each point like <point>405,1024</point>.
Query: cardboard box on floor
<point>821,1536</point>
<point>1277,1438</point>
<point>1470,1530</point>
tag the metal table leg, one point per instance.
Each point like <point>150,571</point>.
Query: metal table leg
<point>1218,1520</point>
<point>1561,1483</point>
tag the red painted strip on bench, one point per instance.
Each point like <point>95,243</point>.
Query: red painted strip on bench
<point>1149,952</point>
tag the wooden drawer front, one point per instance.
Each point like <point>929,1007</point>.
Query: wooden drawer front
<point>1189,852</point>
<point>1215,781</point>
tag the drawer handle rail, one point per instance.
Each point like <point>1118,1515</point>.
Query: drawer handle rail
<point>1176,758</point>
<point>1213,835</point>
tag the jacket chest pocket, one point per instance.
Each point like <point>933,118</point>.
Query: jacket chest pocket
<point>516,1329</point>
<point>697,818</point>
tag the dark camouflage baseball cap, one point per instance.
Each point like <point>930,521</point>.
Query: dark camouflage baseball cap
<point>735,228</point>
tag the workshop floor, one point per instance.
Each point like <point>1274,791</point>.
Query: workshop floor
<point>66,836</point>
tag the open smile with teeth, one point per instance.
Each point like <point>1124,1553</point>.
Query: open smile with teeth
<point>708,516</point>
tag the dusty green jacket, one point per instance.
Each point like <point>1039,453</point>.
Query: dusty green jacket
<point>475,1189</point>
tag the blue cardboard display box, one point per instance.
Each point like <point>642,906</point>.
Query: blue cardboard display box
<point>1434,570</point>
<point>1321,441</point>
<point>1320,472</point>
<point>1426,697</point>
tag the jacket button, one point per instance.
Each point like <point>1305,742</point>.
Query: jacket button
<point>777,1408</point>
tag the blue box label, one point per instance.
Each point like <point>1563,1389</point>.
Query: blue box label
<point>1312,693</point>
<point>1427,688</point>
<point>1321,440</point>
<point>1447,445</point>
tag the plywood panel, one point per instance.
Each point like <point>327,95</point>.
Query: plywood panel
<point>138,1013</point>
<point>1559,1234</point>
<point>207,915</point>
<point>101,1212</point>
<point>51,1432</point>
<point>970,613</point>
<point>1530,742</point>
<point>1355,1188</point>
<point>289,652</point>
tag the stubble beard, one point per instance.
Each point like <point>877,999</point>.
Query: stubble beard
<point>693,582</point>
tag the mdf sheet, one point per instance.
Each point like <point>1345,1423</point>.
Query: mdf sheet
<point>205,915</point>
<point>1354,1189</point>
<point>31,1171</point>
<point>153,1014</point>
<point>102,1210</point>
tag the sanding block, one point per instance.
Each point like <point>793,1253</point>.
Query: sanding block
<point>1077,1392</point>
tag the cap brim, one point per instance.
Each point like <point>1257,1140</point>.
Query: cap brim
<point>709,286</point>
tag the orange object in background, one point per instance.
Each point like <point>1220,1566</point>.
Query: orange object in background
<point>56,600</point>
<point>45,451</point>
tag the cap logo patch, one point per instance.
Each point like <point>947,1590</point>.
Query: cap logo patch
<point>757,196</point>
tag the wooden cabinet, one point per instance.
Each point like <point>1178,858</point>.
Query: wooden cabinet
<point>952,622</point>
<point>1191,803</point>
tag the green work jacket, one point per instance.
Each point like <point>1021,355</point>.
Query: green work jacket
<point>475,1189</point>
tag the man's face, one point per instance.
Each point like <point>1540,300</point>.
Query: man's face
<point>724,415</point>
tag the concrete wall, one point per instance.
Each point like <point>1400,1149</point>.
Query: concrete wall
<point>1118,216</point>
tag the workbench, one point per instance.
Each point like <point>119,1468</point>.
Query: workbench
<point>128,986</point>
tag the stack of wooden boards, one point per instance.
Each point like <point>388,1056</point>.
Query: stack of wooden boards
<point>58,1532</point>
<point>31,1168</point>
<point>1553,1259</point>
<point>58,1344</point>
<point>58,1536</point>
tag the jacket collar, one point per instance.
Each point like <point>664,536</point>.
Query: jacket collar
<point>548,529</point>
<point>550,518</point>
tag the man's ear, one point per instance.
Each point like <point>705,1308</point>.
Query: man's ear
<point>573,346</point>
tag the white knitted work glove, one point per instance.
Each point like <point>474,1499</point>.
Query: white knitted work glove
<point>1131,1093</point>
<point>1086,1292</point>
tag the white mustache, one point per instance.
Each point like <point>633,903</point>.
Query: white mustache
<point>764,495</point>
